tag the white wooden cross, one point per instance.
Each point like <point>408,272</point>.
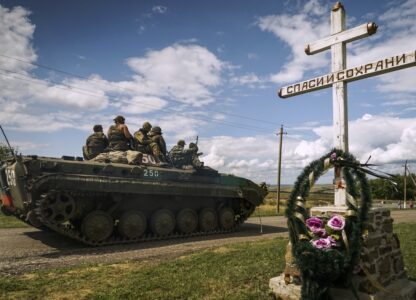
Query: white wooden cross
<point>339,77</point>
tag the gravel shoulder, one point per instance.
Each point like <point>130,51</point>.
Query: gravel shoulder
<point>27,249</point>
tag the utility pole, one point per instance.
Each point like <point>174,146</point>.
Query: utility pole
<point>279,167</point>
<point>404,185</point>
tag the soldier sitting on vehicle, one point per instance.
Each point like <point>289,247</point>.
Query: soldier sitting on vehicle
<point>142,139</point>
<point>181,157</point>
<point>96,143</point>
<point>119,136</point>
<point>195,156</point>
<point>176,154</point>
<point>158,145</point>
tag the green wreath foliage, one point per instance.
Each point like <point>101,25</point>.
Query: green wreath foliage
<point>321,269</point>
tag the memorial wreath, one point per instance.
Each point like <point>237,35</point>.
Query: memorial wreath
<point>327,248</point>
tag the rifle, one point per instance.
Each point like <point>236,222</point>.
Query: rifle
<point>196,143</point>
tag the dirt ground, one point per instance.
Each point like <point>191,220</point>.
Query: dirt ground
<point>26,249</point>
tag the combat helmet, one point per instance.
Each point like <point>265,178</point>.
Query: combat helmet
<point>181,143</point>
<point>119,119</point>
<point>147,126</point>
<point>156,130</point>
<point>97,128</point>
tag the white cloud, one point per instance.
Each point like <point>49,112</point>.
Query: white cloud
<point>16,33</point>
<point>310,24</point>
<point>186,73</point>
<point>388,140</point>
<point>142,104</point>
<point>25,95</point>
<point>180,126</point>
<point>250,80</point>
<point>183,72</point>
<point>25,146</point>
<point>159,9</point>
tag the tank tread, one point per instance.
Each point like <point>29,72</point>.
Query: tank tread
<point>71,232</point>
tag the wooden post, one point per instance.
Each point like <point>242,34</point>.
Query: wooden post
<point>405,186</point>
<point>279,168</point>
<point>339,100</point>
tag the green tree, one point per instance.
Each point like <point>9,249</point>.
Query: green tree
<point>383,189</point>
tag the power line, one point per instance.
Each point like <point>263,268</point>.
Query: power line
<point>71,89</point>
<point>94,80</point>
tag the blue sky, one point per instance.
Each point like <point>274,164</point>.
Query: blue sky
<point>207,68</point>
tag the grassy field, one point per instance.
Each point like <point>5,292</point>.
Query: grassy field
<point>11,222</point>
<point>238,271</point>
<point>320,195</point>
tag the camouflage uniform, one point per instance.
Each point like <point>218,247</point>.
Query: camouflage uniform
<point>177,155</point>
<point>181,157</point>
<point>142,140</point>
<point>193,149</point>
<point>158,144</point>
<point>96,143</point>
<point>117,139</point>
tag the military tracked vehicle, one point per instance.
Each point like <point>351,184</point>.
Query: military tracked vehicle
<point>109,203</point>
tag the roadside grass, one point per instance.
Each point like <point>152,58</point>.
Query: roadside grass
<point>237,271</point>
<point>11,222</point>
<point>407,236</point>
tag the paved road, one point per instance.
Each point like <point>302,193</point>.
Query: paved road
<point>24,249</point>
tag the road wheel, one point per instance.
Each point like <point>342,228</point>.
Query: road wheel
<point>226,218</point>
<point>208,220</point>
<point>97,226</point>
<point>132,224</point>
<point>187,220</point>
<point>58,207</point>
<point>162,222</point>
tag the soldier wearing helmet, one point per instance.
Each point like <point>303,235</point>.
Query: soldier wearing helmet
<point>193,150</point>
<point>158,145</point>
<point>142,139</point>
<point>96,143</point>
<point>177,154</point>
<point>119,136</point>
<point>181,157</point>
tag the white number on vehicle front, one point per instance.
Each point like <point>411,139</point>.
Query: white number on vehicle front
<point>11,177</point>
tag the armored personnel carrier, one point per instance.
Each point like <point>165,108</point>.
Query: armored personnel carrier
<point>110,203</point>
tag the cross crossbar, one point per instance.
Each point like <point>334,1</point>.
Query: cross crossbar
<point>345,36</point>
<point>379,67</point>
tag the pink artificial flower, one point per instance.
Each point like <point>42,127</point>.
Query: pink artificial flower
<point>314,222</point>
<point>337,222</point>
<point>322,243</point>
